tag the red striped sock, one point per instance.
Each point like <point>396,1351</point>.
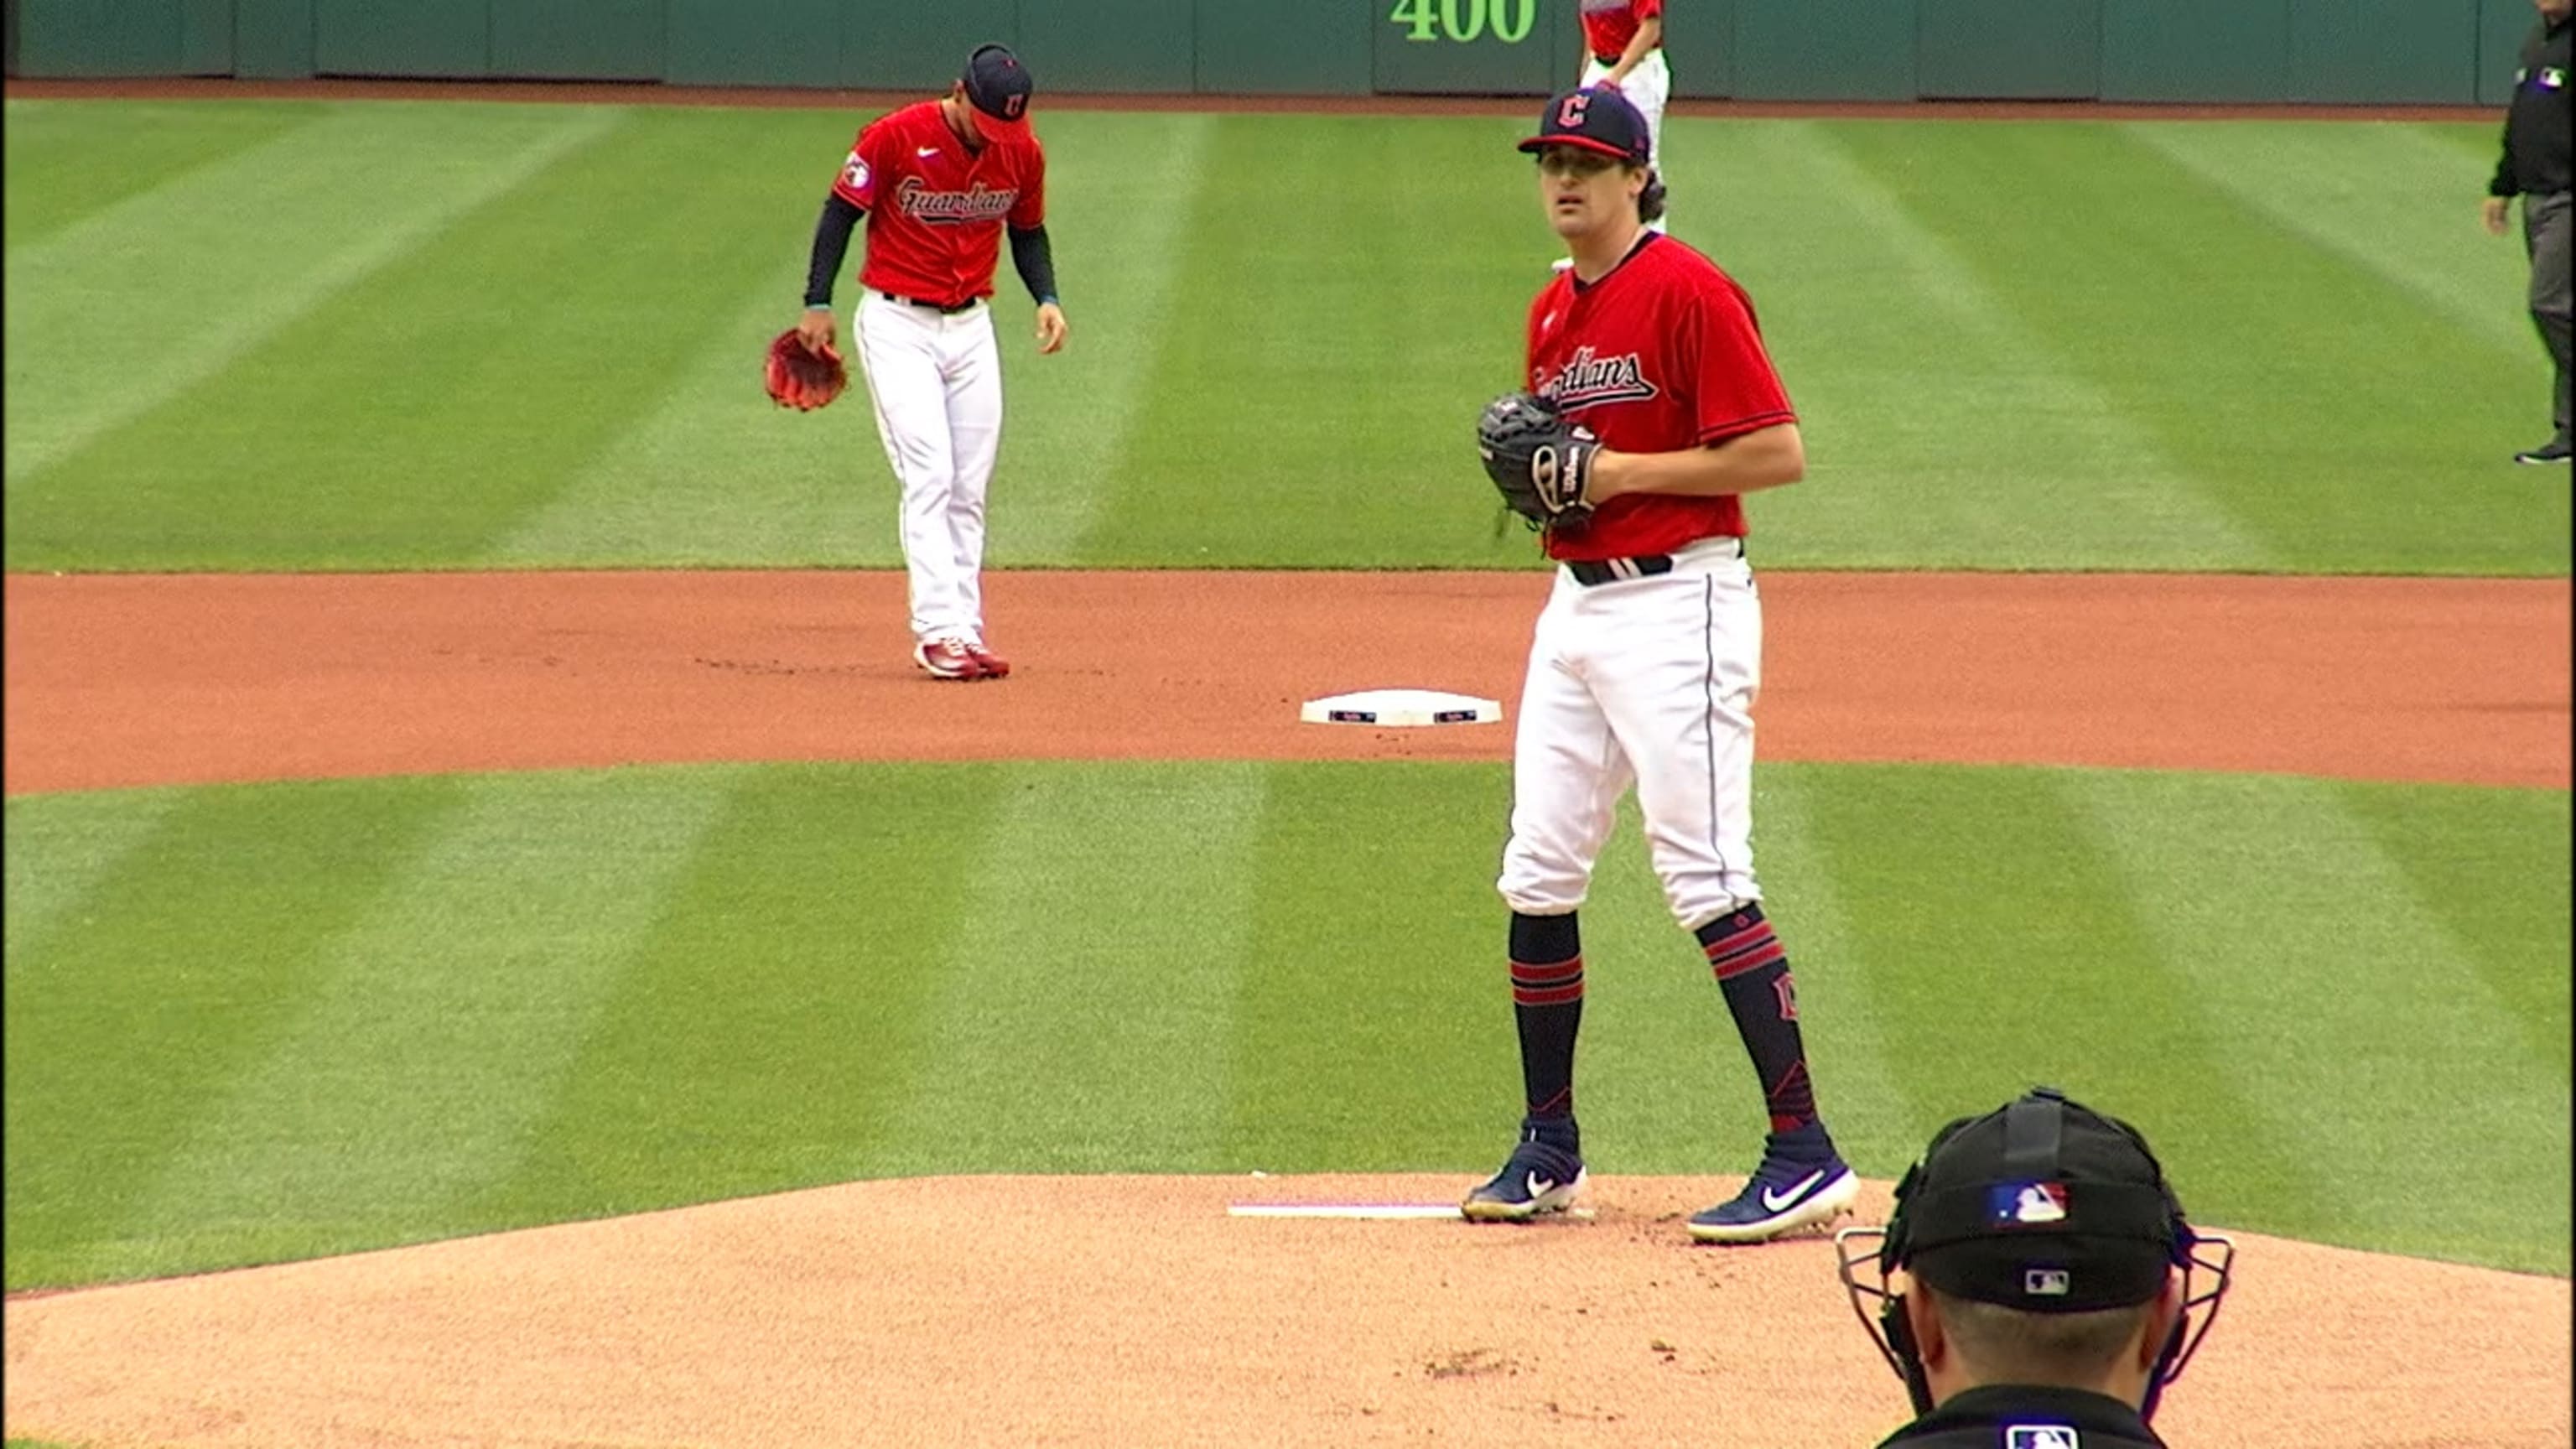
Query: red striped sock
<point>1547,1006</point>
<point>1752,969</point>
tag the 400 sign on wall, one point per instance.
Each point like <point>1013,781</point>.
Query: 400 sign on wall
<point>1465,20</point>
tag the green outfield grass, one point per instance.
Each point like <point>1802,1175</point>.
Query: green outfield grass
<point>247,1024</point>
<point>256,1023</point>
<point>298,335</point>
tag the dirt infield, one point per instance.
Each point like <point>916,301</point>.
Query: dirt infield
<point>1125,1311</point>
<point>135,680</point>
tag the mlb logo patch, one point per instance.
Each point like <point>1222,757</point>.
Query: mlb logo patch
<point>2040,1436</point>
<point>2026,1203</point>
<point>2045,1282</point>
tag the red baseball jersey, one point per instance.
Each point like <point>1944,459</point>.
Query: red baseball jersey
<point>1662,354</point>
<point>1608,25</point>
<point>935,209</point>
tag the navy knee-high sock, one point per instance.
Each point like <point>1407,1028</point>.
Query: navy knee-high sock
<point>1752,968</point>
<point>1547,1003</point>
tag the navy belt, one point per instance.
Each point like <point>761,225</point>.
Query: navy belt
<point>1589,572</point>
<point>966,306</point>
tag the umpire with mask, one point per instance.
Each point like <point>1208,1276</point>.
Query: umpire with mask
<point>2536,168</point>
<point>2034,1286</point>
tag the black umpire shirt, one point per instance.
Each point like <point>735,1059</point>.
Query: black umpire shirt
<point>2536,128</point>
<point>2010,1416</point>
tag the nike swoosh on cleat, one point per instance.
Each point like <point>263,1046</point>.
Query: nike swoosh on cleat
<point>1782,1202</point>
<point>1538,1187</point>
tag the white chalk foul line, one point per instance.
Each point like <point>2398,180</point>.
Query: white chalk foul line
<point>1342,1210</point>
<point>1361,1210</point>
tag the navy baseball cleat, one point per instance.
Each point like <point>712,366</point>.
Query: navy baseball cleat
<point>1802,1182</point>
<point>2556,450</point>
<point>1541,1177</point>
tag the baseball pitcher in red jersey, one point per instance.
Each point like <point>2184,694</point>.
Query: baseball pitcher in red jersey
<point>1645,661</point>
<point>1623,48</point>
<point>939,182</point>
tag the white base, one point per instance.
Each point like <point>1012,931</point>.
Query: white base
<point>1386,708</point>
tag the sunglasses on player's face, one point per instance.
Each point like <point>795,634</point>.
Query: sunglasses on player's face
<point>1573,161</point>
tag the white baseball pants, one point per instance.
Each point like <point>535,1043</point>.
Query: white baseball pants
<point>1650,682</point>
<point>936,383</point>
<point>1649,88</point>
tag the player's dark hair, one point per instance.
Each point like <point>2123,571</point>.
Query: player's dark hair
<point>1650,202</point>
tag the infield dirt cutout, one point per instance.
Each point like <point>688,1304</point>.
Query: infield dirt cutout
<point>1136,1310</point>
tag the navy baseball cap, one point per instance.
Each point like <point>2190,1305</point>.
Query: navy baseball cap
<point>2042,1205</point>
<point>998,86</point>
<point>1596,120</point>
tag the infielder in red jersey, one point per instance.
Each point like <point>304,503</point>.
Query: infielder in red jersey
<point>939,182</point>
<point>1623,47</point>
<point>1645,662</point>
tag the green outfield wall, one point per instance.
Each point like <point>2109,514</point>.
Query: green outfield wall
<point>2323,51</point>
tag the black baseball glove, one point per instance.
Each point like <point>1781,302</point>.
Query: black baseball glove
<point>1539,461</point>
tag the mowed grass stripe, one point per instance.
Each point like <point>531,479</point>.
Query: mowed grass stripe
<point>58,854</point>
<point>2492,866</point>
<point>438,1027</point>
<point>2382,194</point>
<point>1081,1012</point>
<point>1374,1025</point>
<point>706,470</point>
<point>1900,352</point>
<point>1378,307</point>
<point>2350,1014</point>
<point>714,474</point>
<point>2233,340</point>
<point>870,970</point>
<point>304,217</point>
<point>444,395</point>
<point>767,1034</point>
<point>68,160</point>
<point>195,955</point>
<point>2113,361</point>
<point>2007,946</point>
<point>1122,192</point>
<point>1877,1122</point>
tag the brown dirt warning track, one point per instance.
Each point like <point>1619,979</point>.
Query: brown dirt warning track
<point>1131,1311</point>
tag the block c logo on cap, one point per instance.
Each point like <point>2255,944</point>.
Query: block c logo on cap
<point>1569,117</point>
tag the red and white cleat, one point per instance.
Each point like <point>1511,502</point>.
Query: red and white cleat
<point>950,658</point>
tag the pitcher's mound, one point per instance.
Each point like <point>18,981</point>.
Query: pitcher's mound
<point>1122,1311</point>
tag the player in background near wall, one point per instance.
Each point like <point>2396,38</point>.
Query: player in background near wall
<point>2535,167</point>
<point>938,182</point>
<point>1623,48</point>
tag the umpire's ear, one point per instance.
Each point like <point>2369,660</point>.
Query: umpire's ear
<point>1923,1318</point>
